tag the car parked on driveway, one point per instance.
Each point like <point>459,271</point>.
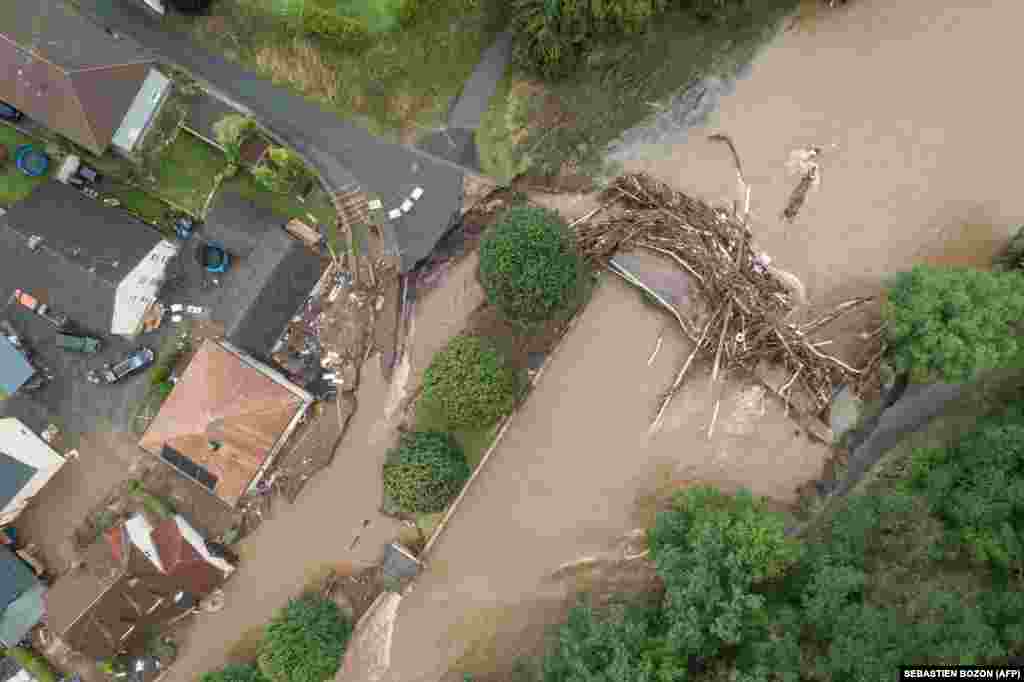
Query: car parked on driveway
<point>137,360</point>
<point>9,113</point>
<point>79,344</point>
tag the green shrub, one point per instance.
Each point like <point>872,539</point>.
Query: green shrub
<point>411,12</point>
<point>159,375</point>
<point>424,473</point>
<point>948,324</point>
<point>718,11</point>
<point>305,641</point>
<point>551,37</point>
<point>468,384</point>
<point>529,265</point>
<point>349,32</point>
<point>282,171</point>
<point>34,664</point>
<point>233,673</point>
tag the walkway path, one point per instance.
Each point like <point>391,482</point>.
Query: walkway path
<point>457,142</point>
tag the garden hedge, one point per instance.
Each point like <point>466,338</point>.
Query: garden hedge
<point>349,32</point>
<point>529,265</point>
<point>948,324</point>
<point>424,473</point>
<point>233,673</point>
<point>468,384</point>
<point>305,641</point>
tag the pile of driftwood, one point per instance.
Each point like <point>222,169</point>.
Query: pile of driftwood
<point>749,307</point>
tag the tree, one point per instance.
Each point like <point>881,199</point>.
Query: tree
<point>529,265</point>
<point>468,384</point>
<point>233,673</point>
<point>424,473</point>
<point>948,324</point>
<point>231,132</point>
<point>305,641</point>
<point>552,36</point>
<point>282,171</point>
<point>711,551</point>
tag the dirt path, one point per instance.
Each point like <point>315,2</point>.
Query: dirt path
<point>577,471</point>
<point>910,167</point>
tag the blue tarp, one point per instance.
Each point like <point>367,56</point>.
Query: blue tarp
<point>15,370</point>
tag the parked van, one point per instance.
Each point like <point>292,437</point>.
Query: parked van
<point>79,344</point>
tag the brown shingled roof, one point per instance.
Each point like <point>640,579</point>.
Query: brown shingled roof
<point>224,416</point>
<point>67,73</point>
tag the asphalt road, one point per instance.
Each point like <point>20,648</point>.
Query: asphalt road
<point>341,151</point>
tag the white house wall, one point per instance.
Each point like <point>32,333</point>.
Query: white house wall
<point>19,442</point>
<point>139,288</point>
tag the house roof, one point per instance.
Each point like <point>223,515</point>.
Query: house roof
<point>226,416</point>
<point>15,577</point>
<point>15,369</point>
<point>85,252</point>
<point>14,474</point>
<point>103,610</point>
<point>182,561</point>
<point>280,274</point>
<point>66,72</point>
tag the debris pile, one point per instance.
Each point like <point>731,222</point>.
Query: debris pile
<point>750,305</point>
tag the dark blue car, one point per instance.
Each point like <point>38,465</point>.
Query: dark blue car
<point>9,113</point>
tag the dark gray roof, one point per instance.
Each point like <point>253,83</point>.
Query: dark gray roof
<point>15,370</point>
<point>86,250</point>
<point>280,273</point>
<point>15,577</point>
<point>14,474</point>
<point>399,563</point>
<point>238,223</point>
<point>66,38</point>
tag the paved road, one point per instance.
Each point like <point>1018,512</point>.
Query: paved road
<point>341,151</point>
<point>478,90</point>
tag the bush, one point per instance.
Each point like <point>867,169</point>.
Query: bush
<point>412,12</point>
<point>349,32</point>
<point>948,324</point>
<point>718,11</point>
<point>424,473</point>
<point>233,673</point>
<point>305,641</point>
<point>282,171</point>
<point>529,266</point>
<point>231,132</point>
<point>468,384</point>
<point>551,37</point>
<point>155,505</point>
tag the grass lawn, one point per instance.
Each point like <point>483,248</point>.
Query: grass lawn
<point>403,82</point>
<point>187,172</point>
<point>542,126</point>
<point>15,185</point>
<point>141,203</point>
<point>318,205</point>
<point>380,15</point>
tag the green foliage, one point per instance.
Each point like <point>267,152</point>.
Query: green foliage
<point>34,664</point>
<point>620,644</point>
<point>233,673</point>
<point>159,375</point>
<point>231,132</point>
<point>154,504</point>
<point>711,551</point>
<point>282,171</point>
<point>424,473</point>
<point>349,32</point>
<point>977,488</point>
<point>553,36</point>
<point>305,641</point>
<point>950,323</point>
<point>718,11</point>
<point>529,265</point>
<point>412,12</point>
<point>468,383</point>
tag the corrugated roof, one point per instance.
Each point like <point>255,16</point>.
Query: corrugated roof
<point>15,577</point>
<point>15,370</point>
<point>67,72</point>
<point>225,416</point>
<point>23,614</point>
